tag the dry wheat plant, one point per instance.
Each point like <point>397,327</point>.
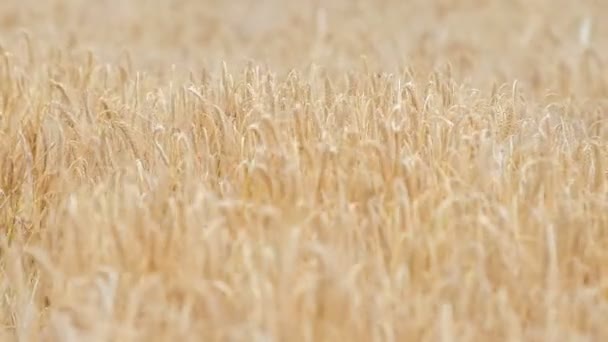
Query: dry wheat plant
<point>268,170</point>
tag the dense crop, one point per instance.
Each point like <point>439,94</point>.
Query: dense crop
<point>303,171</point>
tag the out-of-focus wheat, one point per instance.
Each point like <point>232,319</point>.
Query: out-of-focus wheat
<point>338,171</point>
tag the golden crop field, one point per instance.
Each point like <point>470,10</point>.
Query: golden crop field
<point>339,170</point>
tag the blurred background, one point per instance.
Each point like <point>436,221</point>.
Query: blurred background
<point>538,42</point>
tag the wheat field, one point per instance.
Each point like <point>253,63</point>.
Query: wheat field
<point>339,170</point>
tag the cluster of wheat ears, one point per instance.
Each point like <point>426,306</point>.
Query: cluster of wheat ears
<point>284,171</point>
